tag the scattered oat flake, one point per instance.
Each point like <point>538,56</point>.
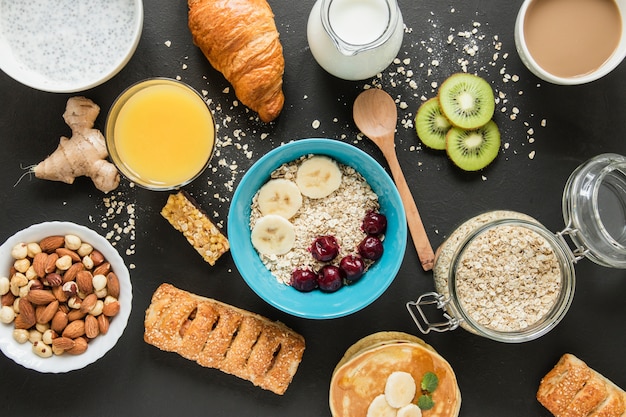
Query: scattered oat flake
<point>531,155</point>
<point>168,43</point>
<point>315,124</point>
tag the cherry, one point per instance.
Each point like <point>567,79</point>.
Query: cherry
<point>374,223</point>
<point>329,278</point>
<point>371,248</point>
<point>303,280</point>
<point>325,248</point>
<point>353,267</point>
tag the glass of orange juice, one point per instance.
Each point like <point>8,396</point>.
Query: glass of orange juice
<point>160,133</point>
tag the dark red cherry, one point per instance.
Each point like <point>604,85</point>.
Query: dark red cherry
<point>303,279</point>
<point>374,223</point>
<point>329,278</point>
<point>352,267</point>
<point>371,248</point>
<point>325,248</point>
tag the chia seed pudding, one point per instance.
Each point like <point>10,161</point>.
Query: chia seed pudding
<point>65,42</point>
<point>340,214</point>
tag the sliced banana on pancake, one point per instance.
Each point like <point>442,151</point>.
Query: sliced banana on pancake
<point>382,359</point>
<point>379,407</point>
<point>400,389</point>
<point>318,176</point>
<point>409,410</point>
<point>273,235</point>
<point>279,196</point>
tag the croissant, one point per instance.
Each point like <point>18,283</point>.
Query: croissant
<point>240,39</point>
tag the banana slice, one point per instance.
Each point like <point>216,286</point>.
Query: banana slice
<point>273,235</point>
<point>410,410</point>
<point>279,196</point>
<point>400,389</point>
<point>318,176</point>
<point>379,407</point>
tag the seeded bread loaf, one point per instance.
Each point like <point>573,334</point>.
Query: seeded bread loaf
<point>218,335</point>
<point>573,389</point>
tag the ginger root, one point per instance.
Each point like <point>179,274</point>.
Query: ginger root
<point>84,154</point>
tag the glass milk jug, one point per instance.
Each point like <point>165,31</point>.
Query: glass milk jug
<point>355,39</point>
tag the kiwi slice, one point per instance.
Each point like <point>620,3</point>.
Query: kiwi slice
<point>467,100</point>
<point>472,150</point>
<point>432,125</point>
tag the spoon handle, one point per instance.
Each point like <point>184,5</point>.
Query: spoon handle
<point>414,221</point>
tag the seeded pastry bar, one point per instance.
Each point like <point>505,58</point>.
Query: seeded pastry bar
<point>218,335</point>
<point>573,389</point>
<point>184,214</point>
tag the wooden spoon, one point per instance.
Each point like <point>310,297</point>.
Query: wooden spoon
<point>375,114</point>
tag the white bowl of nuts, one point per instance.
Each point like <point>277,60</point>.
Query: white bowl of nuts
<point>66,297</point>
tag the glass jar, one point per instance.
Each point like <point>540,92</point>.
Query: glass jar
<point>355,39</point>
<point>504,276</point>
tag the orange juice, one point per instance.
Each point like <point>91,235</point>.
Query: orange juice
<point>161,134</point>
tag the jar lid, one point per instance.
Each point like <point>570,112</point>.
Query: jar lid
<point>594,210</point>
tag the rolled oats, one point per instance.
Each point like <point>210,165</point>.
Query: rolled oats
<point>340,214</point>
<point>508,277</point>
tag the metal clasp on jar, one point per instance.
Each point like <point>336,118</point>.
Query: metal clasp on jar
<point>430,299</point>
<point>579,252</point>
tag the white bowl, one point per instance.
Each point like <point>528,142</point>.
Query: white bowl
<point>67,46</point>
<point>23,353</point>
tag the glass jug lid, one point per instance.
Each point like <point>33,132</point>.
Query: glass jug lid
<point>594,210</point>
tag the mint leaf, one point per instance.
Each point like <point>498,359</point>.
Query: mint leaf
<point>425,402</point>
<point>429,382</point>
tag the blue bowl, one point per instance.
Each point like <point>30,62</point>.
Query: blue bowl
<point>317,304</point>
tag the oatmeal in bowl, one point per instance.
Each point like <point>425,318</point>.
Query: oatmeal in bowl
<point>345,230</point>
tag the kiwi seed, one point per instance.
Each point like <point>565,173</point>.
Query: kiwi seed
<point>472,150</point>
<point>466,100</point>
<point>431,125</point>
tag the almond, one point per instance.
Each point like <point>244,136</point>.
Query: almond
<point>45,314</point>
<point>74,329</point>
<point>22,322</point>
<point>92,329</point>
<point>51,263</point>
<point>97,257</point>
<point>80,346</point>
<point>103,269</point>
<point>88,303</point>
<point>59,321</point>
<point>103,323</point>
<point>111,309</point>
<point>84,280</point>
<point>7,299</point>
<point>63,343</point>
<point>59,293</point>
<point>68,252</point>
<point>39,264</point>
<point>113,285</point>
<point>75,315</point>
<point>51,243</point>
<point>40,297</point>
<point>26,318</point>
<point>70,274</point>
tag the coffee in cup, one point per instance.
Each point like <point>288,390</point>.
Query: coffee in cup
<point>571,41</point>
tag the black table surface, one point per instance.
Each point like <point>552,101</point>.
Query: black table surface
<point>547,132</point>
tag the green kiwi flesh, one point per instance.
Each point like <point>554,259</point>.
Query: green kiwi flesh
<point>431,125</point>
<point>473,150</point>
<point>467,100</point>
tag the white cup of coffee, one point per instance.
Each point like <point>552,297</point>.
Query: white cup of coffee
<point>570,42</point>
